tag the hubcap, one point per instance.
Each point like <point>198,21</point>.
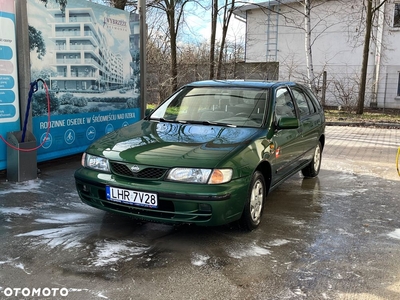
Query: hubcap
<point>256,201</point>
<point>317,157</point>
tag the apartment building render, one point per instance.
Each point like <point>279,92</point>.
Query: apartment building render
<point>83,60</point>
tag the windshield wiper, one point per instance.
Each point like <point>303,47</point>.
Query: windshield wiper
<point>167,121</point>
<point>205,122</point>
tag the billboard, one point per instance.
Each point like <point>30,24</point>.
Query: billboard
<point>88,56</point>
<point>9,105</point>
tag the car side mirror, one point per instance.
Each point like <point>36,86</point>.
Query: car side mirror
<point>288,123</point>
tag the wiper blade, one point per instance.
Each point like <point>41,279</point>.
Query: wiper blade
<point>168,121</point>
<point>205,122</point>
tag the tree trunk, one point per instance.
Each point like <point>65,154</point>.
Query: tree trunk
<point>308,48</point>
<point>214,16</point>
<point>227,17</point>
<point>364,67</point>
<point>172,33</point>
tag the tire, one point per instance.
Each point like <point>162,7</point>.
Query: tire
<point>252,212</point>
<point>312,169</point>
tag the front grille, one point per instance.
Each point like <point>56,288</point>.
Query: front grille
<point>147,173</point>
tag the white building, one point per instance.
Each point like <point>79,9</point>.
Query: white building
<point>275,32</point>
<point>84,61</point>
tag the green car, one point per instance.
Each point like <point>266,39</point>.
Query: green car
<point>208,155</point>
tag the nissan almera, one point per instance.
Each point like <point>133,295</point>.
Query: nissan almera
<point>208,155</point>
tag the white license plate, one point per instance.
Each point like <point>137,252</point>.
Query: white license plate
<point>132,197</point>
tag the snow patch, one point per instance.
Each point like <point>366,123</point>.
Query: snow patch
<point>13,263</point>
<point>66,236</point>
<point>71,230</point>
<point>278,242</point>
<point>200,260</point>
<point>29,186</point>
<point>248,251</point>
<point>14,211</point>
<point>395,234</point>
<point>64,218</point>
<point>110,252</point>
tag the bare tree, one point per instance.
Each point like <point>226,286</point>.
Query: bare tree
<point>309,16</point>
<point>344,88</point>
<point>214,20</point>
<point>371,10</point>
<point>174,11</point>
<point>228,9</point>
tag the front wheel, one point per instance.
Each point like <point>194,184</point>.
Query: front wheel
<point>312,169</point>
<point>251,216</point>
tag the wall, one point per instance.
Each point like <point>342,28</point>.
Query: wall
<point>337,48</point>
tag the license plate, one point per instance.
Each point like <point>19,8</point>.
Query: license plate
<point>132,197</point>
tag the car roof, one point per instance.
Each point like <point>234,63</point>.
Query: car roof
<point>240,83</point>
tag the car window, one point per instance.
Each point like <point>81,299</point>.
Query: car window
<point>311,104</point>
<point>225,105</point>
<point>284,106</point>
<point>301,101</point>
<point>314,101</point>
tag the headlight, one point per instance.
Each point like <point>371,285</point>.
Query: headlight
<point>95,162</point>
<point>194,175</point>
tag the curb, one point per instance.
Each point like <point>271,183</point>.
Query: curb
<point>364,124</point>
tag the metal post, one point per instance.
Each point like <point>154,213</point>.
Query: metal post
<point>323,96</point>
<point>24,67</point>
<point>384,96</point>
<point>143,71</point>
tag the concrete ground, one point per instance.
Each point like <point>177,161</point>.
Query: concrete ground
<point>332,237</point>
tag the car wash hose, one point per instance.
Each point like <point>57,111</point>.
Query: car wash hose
<point>33,89</point>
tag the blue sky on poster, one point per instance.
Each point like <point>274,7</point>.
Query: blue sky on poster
<point>198,22</point>
<point>38,17</point>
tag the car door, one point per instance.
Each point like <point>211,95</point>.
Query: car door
<point>287,142</point>
<point>310,121</point>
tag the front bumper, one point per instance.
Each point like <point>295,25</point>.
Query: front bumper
<point>208,205</point>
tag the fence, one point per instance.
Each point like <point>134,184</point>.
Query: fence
<point>159,79</point>
<point>337,87</point>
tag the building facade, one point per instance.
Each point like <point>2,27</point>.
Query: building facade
<point>275,31</point>
<point>83,60</point>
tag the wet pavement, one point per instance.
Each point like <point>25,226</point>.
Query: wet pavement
<point>333,237</point>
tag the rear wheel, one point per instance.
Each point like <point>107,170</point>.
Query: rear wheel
<point>312,169</point>
<point>251,216</point>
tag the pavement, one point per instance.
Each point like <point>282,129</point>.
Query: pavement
<point>372,145</point>
<point>336,236</point>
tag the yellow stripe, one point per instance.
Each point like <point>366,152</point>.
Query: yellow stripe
<point>397,161</point>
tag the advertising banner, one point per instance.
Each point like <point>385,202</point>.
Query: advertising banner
<point>88,56</point>
<point>9,105</point>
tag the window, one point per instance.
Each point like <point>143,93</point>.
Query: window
<point>398,86</point>
<point>396,16</point>
<point>301,100</point>
<point>284,104</point>
<point>311,105</point>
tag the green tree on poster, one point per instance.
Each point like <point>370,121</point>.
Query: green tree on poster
<point>63,3</point>
<point>36,42</point>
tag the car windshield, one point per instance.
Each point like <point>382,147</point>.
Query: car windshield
<point>215,105</point>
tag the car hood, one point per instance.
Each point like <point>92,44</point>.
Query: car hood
<point>172,144</point>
